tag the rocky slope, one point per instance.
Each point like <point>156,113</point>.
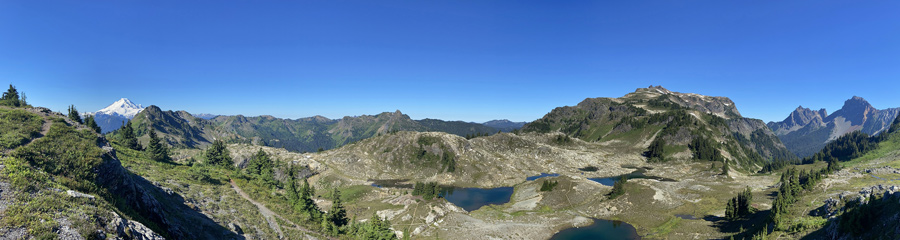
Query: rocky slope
<point>638,118</point>
<point>300,135</point>
<point>805,132</point>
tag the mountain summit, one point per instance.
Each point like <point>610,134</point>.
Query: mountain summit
<point>122,107</point>
<point>805,132</point>
<point>111,117</point>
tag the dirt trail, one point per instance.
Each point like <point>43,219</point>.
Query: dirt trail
<point>268,214</point>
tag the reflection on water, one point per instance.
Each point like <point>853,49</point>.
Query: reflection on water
<point>601,230</point>
<point>532,178</point>
<point>609,181</point>
<point>472,199</point>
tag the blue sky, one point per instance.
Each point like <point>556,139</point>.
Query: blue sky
<point>453,60</point>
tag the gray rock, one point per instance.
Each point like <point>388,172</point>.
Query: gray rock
<point>133,230</point>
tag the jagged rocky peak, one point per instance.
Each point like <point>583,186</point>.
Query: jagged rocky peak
<point>653,89</point>
<point>803,116</point>
<point>857,104</point>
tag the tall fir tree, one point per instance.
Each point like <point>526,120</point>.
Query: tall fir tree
<point>156,149</point>
<point>11,97</point>
<point>305,203</point>
<point>128,137</point>
<point>73,114</point>
<point>217,154</point>
<point>337,215</point>
<point>261,167</point>
<point>91,123</point>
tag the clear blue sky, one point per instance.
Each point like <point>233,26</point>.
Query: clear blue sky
<point>455,60</point>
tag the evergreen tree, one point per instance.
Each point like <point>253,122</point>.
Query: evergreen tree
<point>73,114</point>
<point>290,188</point>
<point>655,151</point>
<point>725,168</point>
<point>261,167</point>
<point>11,97</point>
<point>337,215</point>
<point>156,149</point>
<point>305,203</point>
<point>128,137</point>
<point>618,187</point>
<point>327,226</point>
<point>218,154</point>
<point>91,123</point>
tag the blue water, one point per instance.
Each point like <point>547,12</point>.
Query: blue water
<point>601,229</point>
<point>609,181</point>
<point>472,199</point>
<point>881,178</point>
<point>532,178</point>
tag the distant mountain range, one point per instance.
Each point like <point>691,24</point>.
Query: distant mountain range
<point>205,115</point>
<point>111,117</point>
<point>805,132</point>
<point>309,134</point>
<point>504,125</point>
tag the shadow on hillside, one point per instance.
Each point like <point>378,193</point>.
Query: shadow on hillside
<point>195,224</point>
<point>753,222</point>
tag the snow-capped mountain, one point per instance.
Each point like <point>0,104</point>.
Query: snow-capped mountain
<point>112,117</point>
<point>122,107</point>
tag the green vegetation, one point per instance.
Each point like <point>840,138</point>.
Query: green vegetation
<point>447,159</point>
<point>793,182</point>
<point>65,158</point>
<point>562,139</point>
<point>217,154</point>
<point>157,151</point>
<point>261,167</point>
<point>704,149</point>
<point>91,123</point>
<point>849,146</point>
<point>588,169</point>
<point>655,151</point>
<point>739,206</point>
<point>374,229</point>
<point>337,216</point>
<point>476,135</point>
<point>428,190</point>
<point>74,115</point>
<point>18,127</point>
<point>11,98</point>
<point>72,155</point>
<point>859,218</point>
<point>547,185</point>
<point>127,136</point>
<point>618,188</point>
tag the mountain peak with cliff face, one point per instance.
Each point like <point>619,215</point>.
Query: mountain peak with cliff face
<point>805,131</point>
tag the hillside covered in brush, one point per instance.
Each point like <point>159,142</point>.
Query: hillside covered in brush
<point>181,129</point>
<point>669,125</point>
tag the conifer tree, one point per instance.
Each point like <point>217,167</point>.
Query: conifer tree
<point>91,123</point>
<point>218,154</point>
<point>305,203</point>
<point>11,97</point>
<point>73,114</point>
<point>290,188</point>
<point>337,215</point>
<point>157,150</point>
<point>128,137</point>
